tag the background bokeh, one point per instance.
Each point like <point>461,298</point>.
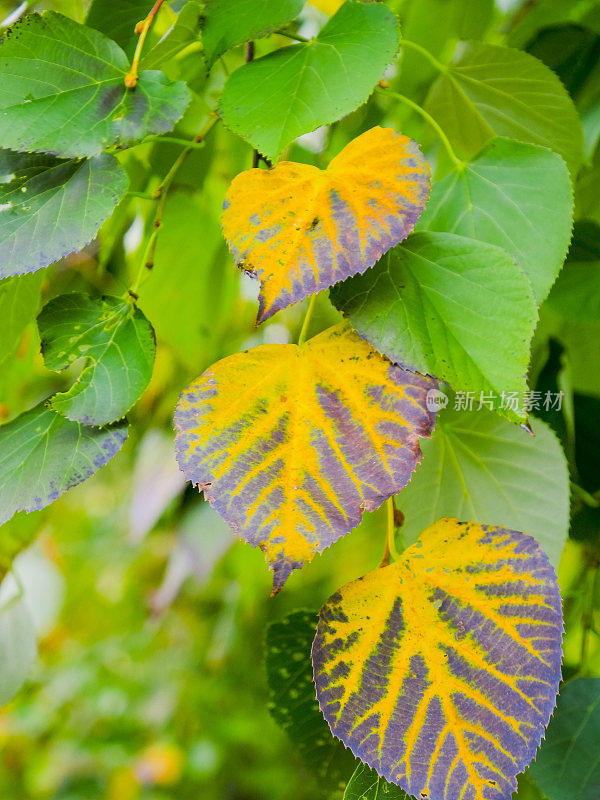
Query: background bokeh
<point>150,616</point>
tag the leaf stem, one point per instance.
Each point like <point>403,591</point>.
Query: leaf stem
<point>142,29</point>
<point>192,143</point>
<point>307,318</point>
<point>160,195</point>
<point>289,35</point>
<point>459,163</point>
<point>390,535</point>
<point>425,53</point>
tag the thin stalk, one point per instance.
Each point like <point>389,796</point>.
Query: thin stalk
<point>391,530</point>
<point>295,36</point>
<point>425,53</point>
<point>192,143</point>
<point>160,195</point>
<point>459,163</point>
<point>142,29</point>
<point>307,318</point>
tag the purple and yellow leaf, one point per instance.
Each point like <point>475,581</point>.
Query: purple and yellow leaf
<point>300,229</point>
<point>290,444</point>
<point>441,671</point>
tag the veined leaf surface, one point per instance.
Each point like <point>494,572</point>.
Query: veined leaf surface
<point>52,207</point>
<point>294,704</point>
<point>430,303</point>
<point>291,443</point>
<point>43,454</point>
<point>440,671</point>
<point>271,101</point>
<point>63,91</point>
<point>118,344</point>
<point>491,90</point>
<point>514,195</point>
<point>300,229</point>
<point>227,25</point>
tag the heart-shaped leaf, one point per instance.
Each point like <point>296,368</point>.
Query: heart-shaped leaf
<point>42,454</point>
<point>497,91</point>
<point>300,229</point>
<point>273,100</point>
<point>514,195</point>
<point>430,305</point>
<point>291,443</point>
<point>479,465</point>
<point>63,91</point>
<point>50,207</point>
<point>441,670</point>
<point>118,344</point>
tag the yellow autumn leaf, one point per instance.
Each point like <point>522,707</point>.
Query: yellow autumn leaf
<point>441,670</point>
<point>300,229</point>
<point>290,443</point>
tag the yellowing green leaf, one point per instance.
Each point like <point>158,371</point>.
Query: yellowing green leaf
<point>300,229</point>
<point>291,443</point>
<point>440,671</point>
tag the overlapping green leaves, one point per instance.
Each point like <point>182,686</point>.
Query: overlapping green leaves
<point>50,207</point>
<point>496,91</point>
<point>227,25</point>
<point>479,466</point>
<point>116,341</point>
<point>451,307</point>
<point>70,99</point>
<point>514,195</point>
<point>277,98</point>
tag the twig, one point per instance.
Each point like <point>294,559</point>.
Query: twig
<point>142,29</point>
<point>160,195</point>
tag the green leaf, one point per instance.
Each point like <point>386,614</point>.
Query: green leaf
<point>19,300</point>
<point>18,647</point>
<point>365,784</point>
<point>496,91</point>
<point>118,20</point>
<point>451,307</point>
<point>63,91</point>
<point>576,294</point>
<point>273,100</point>
<point>567,766</point>
<point>42,454</point>
<point>517,196</point>
<point>478,466</point>
<point>118,344</point>
<point>228,24</point>
<point>50,207</point>
<point>182,33</point>
<point>294,704</point>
